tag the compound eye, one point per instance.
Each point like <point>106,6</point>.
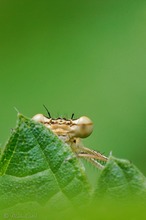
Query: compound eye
<point>38,118</point>
<point>85,127</point>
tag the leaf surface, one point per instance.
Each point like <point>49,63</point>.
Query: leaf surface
<point>121,179</point>
<point>37,166</point>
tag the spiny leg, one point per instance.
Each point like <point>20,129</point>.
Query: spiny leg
<point>88,153</point>
<point>94,162</point>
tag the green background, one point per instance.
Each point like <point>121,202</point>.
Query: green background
<point>86,57</point>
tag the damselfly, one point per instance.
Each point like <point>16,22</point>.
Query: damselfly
<point>71,131</point>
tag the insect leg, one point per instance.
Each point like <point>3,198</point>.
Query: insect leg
<point>92,160</point>
<point>86,152</point>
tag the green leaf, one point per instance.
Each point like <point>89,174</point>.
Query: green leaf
<point>121,179</point>
<point>37,166</point>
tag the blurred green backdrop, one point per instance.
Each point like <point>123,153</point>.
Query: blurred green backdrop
<point>86,57</point>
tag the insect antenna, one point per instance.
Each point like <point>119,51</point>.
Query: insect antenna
<point>72,116</point>
<point>47,111</point>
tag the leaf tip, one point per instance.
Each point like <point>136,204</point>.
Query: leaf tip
<point>16,110</point>
<point>110,154</point>
<point>18,113</point>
